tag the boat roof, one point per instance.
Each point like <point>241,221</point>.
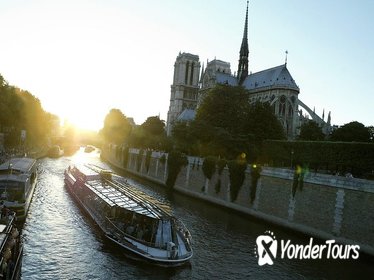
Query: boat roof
<point>23,165</point>
<point>123,195</point>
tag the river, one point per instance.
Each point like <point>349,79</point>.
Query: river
<point>61,242</point>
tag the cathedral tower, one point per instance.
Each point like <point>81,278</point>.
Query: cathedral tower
<point>184,90</point>
<point>243,57</point>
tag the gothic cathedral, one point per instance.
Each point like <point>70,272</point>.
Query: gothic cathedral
<point>274,85</point>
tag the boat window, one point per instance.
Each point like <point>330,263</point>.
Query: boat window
<point>163,235</point>
<point>10,171</point>
<point>12,192</point>
<point>139,226</point>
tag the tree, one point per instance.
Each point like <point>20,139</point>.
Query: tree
<point>311,131</point>
<point>227,125</point>
<point>176,160</point>
<point>116,127</point>
<point>263,124</point>
<point>20,110</point>
<point>154,133</point>
<point>183,139</point>
<point>137,138</point>
<point>219,122</point>
<point>351,132</point>
<point>224,107</point>
<point>209,167</point>
<point>154,126</point>
<point>149,135</point>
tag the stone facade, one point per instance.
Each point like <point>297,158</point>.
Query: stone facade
<point>184,90</point>
<point>274,85</point>
<point>327,207</point>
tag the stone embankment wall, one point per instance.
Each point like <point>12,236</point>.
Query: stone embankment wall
<point>328,207</point>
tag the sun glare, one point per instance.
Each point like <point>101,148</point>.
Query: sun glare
<point>83,121</point>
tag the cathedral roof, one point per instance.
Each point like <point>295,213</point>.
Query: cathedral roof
<point>187,115</point>
<point>273,77</point>
<point>224,78</point>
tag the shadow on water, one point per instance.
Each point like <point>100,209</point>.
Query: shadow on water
<point>226,238</point>
<point>61,242</point>
<point>145,269</point>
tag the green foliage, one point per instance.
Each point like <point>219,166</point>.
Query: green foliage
<point>154,126</point>
<point>227,125</point>
<point>149,135</point>
<point>237,175</point>
<point>209,166</point>
<point>263,124</point>
<point>356,158</point>
<point>219,121</point>
<point>183,137</point>
<point>310,131</point>
<point>20,110</point>
<point>176,160</point>
<point>221,163</point>
<point>353,131</point>
<point>224,107</point>
<point>116,128</point>
<point>217,187</point>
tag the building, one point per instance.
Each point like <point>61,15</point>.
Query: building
<point>185,88</point>
<point>274,85</point>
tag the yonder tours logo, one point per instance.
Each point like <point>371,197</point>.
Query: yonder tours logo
<point>267,246</point>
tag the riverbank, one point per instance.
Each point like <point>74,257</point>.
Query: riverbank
<point>326,207</point>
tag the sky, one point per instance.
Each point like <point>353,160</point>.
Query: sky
<point>82,58</point>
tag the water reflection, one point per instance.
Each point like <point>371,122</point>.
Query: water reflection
<point>61,242</point>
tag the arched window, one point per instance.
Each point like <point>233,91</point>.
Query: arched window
<point>282,106</point>
<point>186,75</point>
<point>191,77</point>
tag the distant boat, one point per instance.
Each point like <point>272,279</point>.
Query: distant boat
<point>89,149</point>
<point>11,248</point>
<point>18,178</point>
<point>128,217</point>
<point>55,152</point>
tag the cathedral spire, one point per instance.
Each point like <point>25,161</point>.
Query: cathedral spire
<point>243,57</point>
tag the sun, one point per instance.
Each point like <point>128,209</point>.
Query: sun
<point>83,121</point>
<point>89,122</point>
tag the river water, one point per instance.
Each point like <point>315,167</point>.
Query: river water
<point>61,242</point>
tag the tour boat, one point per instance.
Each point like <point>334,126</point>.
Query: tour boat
<point>17,185</point>
<point>89,149</point>
<point>55,152</point>
<point>129,217</point>
<point>10,248</point>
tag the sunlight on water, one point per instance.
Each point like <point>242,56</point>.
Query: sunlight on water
<point>62,242</point>
<point>81,157</point>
